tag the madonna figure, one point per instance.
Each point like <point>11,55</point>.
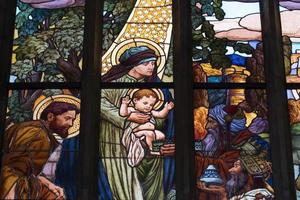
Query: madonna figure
<point>145,181</point>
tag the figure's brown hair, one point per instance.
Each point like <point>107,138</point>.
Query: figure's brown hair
<point>58,108</point>
<point>144,93</point>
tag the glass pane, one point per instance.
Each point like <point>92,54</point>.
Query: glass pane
<point>137,144</point>
<point>289,11</point>
<point>48,41</point>
<point>41,144</point>
<point>137,40</point>
<point>294,110</point>
<point>232,147</point>
<point>227,44</point>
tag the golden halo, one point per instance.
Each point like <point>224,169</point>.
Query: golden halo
<point>159,93</point>
<point>136,42</point>
<point>38,109</point>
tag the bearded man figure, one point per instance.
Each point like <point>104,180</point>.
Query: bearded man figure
<point>239,180</point>
<point>27,147</point>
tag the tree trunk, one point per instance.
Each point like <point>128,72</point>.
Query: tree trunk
<point>71,72</point>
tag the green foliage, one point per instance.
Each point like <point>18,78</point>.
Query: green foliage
<point>208,30</point>
<point>22,17</point>
<point>44,37</point>
<point>52,92</point>
<point>69,39</point>
<point>200,53</point>
<point>26,66</point>
<point>115,16</point>
<point>56,78</point>
<point>243,48</point>
<point>49,56</point>
<point>220,61</point>
<point>169,64</point>
<point>16,112</point>
<point>219,13</point>
<point>31,48</point>
<point>28,20</point>
<point>205,46</point>
<point>207,9</point>
<point>217,3</point>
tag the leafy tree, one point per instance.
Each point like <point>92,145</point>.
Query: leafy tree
<point>49,43</point>
<point>20,103</point>
<point>206,47</point>
<point>48,48</point>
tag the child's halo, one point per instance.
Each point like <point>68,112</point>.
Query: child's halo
<point>159,93</point>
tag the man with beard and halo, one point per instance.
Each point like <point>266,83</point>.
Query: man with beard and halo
<point>27,147</point>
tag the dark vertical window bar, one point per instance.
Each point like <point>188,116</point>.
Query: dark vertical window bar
<point>183,81</point>
<point>7,19</point>
<point>90,101</point>
<point>277,102</point>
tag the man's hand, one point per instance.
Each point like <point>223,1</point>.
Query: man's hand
<point>167,150</point>
<point>58,191</point>
<point>139,118</point>
<point>214,189</point>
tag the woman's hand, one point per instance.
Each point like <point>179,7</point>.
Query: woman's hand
<point>139,118</point>
<point>167,150</point>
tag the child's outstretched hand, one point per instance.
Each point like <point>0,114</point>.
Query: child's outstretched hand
<point>169,105</point>
<point>125,100</point>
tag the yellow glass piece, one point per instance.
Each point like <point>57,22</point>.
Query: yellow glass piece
<point>149,24</point>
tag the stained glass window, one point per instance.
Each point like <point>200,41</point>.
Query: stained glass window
<point>41,139</point>
<point>232,150</point>
<point>232,144</point>
<point>290,41</point>
<point>136,147</point>
<point>227,42</point>
<point>48,42</point>
<point>152,57</point>
<point>40,152</point>
<point>293,103</point>
<point>143,23</point>
<point>137,49</point>
<point>288,15</point>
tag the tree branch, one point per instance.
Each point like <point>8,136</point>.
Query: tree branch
<point>71,73</point>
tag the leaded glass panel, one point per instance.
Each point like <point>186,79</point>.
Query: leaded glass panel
<point>227,42</point>
<point>48,41</point>
<point>232,147</point>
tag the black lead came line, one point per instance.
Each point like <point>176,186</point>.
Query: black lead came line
<point>44,85</point>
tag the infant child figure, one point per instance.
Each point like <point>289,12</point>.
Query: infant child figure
<point>144,101</point>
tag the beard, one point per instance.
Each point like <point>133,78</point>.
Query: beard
<point>236,183</point>
<point>211,141</point>
<point>62,131</point>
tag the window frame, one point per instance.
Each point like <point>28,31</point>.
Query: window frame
<point>282,162</point>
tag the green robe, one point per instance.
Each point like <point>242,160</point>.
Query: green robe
<point>127,183</point>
